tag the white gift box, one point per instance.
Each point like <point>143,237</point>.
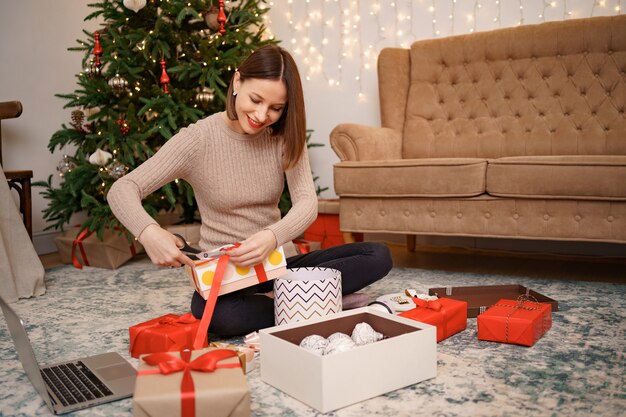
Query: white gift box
<point>407,355</point>
<point>305,293</point>
<point>235,277</point>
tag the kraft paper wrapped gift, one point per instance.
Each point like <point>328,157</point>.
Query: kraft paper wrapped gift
<point>167,333</point>
<point>190,232</point>
<point>450,316</point>
<point>245,354</point>
<point>235,277</point>
<point>206,382</point>
<point>84,248</point>
<point>518,322</point>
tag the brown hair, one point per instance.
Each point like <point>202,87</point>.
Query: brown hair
<point>272,62</point>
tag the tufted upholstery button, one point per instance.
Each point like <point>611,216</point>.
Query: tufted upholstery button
<point>541,114</point>
<point>487,215</point>
<point>593,112</point>
<point>515,216</point>
<point>577,218</point>
<point>546,217</point>
<point>359,212</point>
<point>433,214</point>
<point>610,52</point>
<point>382,213</point>
<point>407,213</point>
<point>459,215</point>
<point>606,128</point>
<point>552,130</point>
<point>610,219</point>
<point>566,113</point>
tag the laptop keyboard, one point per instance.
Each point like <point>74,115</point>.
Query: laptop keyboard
<point>74,383</point>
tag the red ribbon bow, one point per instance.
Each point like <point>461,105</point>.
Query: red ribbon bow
<point>433,305</point>
<point>207,362</point>
<point>186,318</point>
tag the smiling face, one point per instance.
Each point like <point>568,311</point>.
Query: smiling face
<point>259,103</point>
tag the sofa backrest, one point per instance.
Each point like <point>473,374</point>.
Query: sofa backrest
<point>556,88</point>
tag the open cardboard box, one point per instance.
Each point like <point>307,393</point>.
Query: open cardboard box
<point>480,298</point>
<point>407,355</point>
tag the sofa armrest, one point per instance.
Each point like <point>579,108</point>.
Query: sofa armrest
<point>352,142</point>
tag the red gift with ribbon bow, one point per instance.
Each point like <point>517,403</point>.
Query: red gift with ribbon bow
<point>519,322</point>
<point>448,315</point>
<point>206,382</point>
<point>167,333</point>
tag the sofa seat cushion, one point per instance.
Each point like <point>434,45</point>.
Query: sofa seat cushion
<point>424,177</point>
<point>584,177</point>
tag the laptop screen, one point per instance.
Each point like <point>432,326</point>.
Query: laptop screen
<point>24,350</point>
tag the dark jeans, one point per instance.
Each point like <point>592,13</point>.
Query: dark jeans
<point>248,310</point>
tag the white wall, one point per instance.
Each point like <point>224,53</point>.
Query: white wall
<point>35,63</point>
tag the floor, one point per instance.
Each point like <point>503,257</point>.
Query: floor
<point>573,267</point>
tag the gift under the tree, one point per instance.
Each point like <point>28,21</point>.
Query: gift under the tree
<point>81,247</point>
<point>448,315</point>
<point>235,277</point>
<point>167,333</point>
<point>518,322</point>
<point>206,382</point>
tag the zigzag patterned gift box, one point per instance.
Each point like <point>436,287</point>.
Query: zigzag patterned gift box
<point>235,277</point>
<point>305,293</point>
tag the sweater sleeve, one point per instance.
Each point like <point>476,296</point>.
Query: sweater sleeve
<point>304,202</point>
<point>176,159</point>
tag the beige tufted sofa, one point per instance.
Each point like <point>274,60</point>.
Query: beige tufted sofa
<point>513,133</point>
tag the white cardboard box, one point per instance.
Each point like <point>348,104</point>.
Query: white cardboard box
<point>407,355</point>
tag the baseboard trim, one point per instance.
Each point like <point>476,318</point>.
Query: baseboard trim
<point>44,242</point>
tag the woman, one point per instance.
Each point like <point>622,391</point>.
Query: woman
<point>235,161</point>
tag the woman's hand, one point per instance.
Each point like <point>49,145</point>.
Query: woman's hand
<point>162,247</point>
<point>254,249</point>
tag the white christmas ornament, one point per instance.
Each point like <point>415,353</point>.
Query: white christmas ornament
<point>100,157</point>
<point>135,5</point>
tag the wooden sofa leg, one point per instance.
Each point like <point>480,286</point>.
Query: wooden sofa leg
<point>350,237</point>
<point>410,243</point>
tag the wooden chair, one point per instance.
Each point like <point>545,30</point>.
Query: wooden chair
<point>18,180</point>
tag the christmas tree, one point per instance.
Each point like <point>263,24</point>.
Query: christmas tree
<point>155,67</point>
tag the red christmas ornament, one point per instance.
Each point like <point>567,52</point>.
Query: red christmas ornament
<point>221,18</point>
<point>124,128</point>
<point>97,49</point>
<point>165,79</point>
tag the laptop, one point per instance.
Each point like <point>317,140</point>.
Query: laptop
<point>76,384</point>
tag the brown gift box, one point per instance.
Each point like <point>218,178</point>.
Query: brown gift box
<point>245,354</point>
<point>223,392</point>
<point>190,232</point>
<point>113,251</point>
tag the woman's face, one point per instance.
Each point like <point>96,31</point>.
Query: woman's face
<point>259,103</point>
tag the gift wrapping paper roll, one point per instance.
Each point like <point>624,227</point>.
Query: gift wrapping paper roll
<point>305,293</point>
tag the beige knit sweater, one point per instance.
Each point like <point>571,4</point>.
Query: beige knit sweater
<point>237,180</point>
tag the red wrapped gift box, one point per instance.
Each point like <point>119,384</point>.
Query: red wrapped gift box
<point>450,316</point>
<point>518,322</point>
<point>164,334</point>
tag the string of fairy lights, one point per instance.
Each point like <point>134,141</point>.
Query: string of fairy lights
<point>330,36</point>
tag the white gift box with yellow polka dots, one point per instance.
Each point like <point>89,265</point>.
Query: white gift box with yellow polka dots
<point>235,277</point>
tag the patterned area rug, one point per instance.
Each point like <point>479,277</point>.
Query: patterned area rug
<point>576,369</point>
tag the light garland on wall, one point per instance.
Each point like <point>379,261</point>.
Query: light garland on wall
<point>318,28</point>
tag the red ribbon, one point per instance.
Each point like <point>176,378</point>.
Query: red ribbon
<point>78,242</point>
<point>433,305</point>
<point>201,339</point>
<point>207,362</point>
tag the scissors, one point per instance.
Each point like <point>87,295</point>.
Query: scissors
<point>195,253</point>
